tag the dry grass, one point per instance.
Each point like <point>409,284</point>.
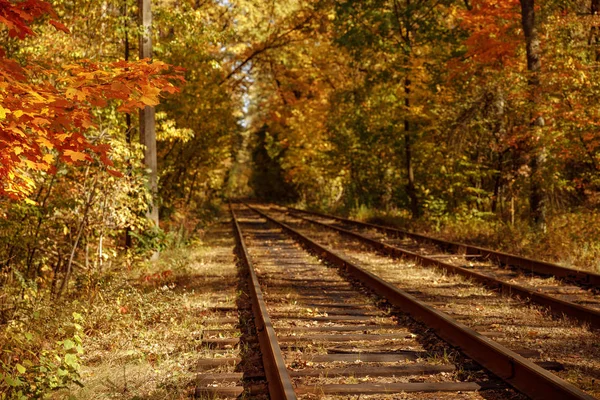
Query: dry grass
<point>143,335</point>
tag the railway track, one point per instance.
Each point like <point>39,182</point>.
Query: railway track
<point>581,302</point>
<point>585,279</point>
<point>323,332</point>
<point>229,362</point>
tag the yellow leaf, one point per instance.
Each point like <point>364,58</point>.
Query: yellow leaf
<point>149,101</point>
<point>75,155</point>
<point>13,128</point>
<point>21,368</point>
<point>86,123</point>
<point>151,91</point>
<point>3,112</point>
<point>49,158</point>
<point>73,93</point>
<point>45,142</point>
<point>30,164</point>
<point>36,96</point>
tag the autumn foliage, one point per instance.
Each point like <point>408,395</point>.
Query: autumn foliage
<point>494,35</point>
<point>46,111</point>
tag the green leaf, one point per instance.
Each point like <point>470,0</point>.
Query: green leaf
<point>21,368</point>
<point>12,382</point>
<point>71,360</point>
<point>68,344</point>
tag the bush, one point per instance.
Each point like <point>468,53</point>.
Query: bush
<point>31,365</point>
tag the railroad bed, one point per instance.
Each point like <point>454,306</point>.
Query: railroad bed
<point>324,334</point>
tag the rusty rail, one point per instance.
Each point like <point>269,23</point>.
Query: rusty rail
<point>527,264</point>
<point>278,378</point>
<point>514,369</point>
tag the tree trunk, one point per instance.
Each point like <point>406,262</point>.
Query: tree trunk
<point>405,36</point>
<point>499,129</point>
<point>497,184</point>
<point>80,229</point>
<point>128,124</point>
<point>38,228</point>
<point>147,114</point>
<point>538,196</point>
<point>410,185</point>
<point>127,51</point>
<point>594,38</point>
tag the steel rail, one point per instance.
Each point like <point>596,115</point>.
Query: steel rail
<point>586,315</point>
<point>530,265</point>
<point>278,379</point>
<point>514,369</point>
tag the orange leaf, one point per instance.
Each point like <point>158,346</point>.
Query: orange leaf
<point>59,26</point>
<point>76,155</point>
<point>114,173</point>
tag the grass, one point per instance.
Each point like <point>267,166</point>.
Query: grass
<point>143,331</point>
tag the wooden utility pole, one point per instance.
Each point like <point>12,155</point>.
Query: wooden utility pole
<point>147,114</point>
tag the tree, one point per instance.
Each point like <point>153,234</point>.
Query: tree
<point>196,129</point>
<point>267,179</point>
<point>391,41</point>
<point>44,112</point>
